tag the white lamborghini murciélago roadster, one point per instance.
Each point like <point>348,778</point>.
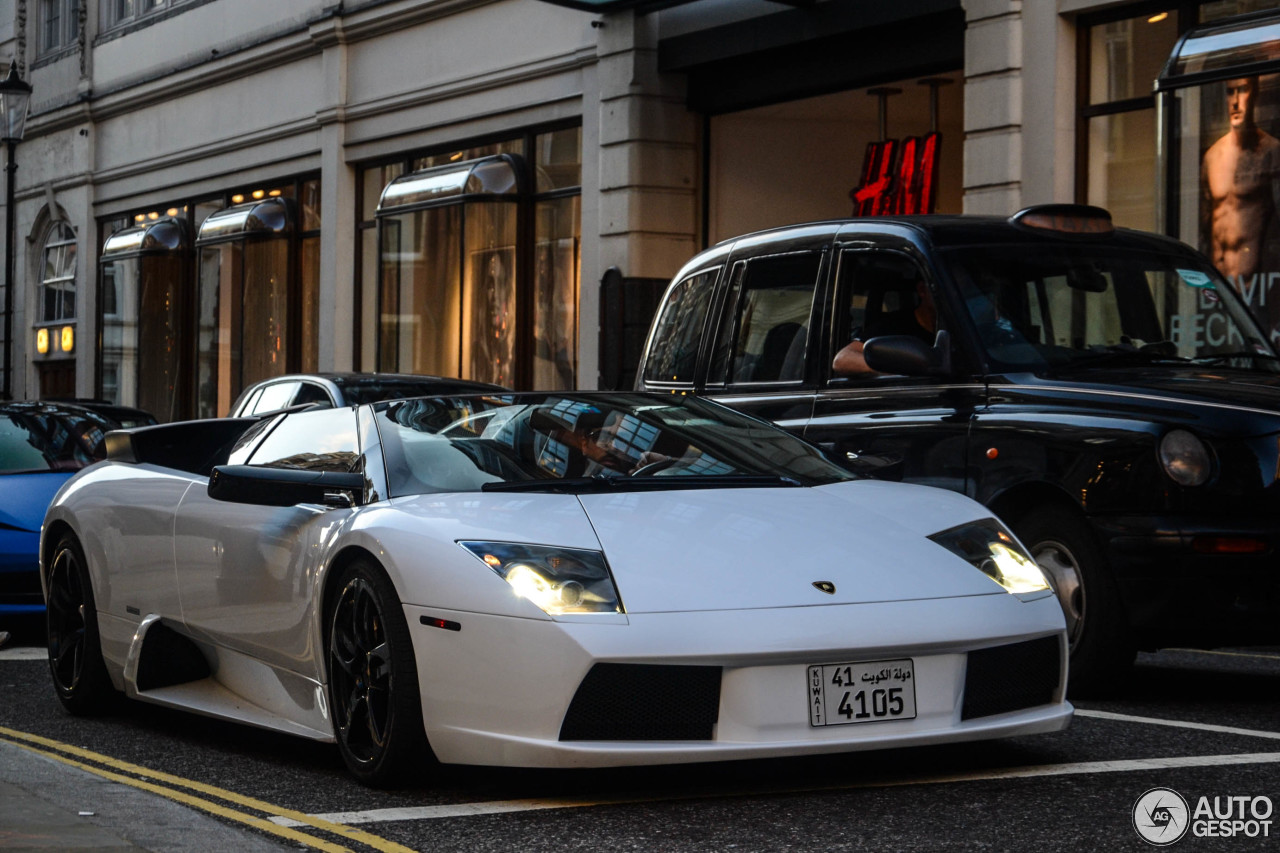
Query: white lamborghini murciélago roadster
<point>541,580</point>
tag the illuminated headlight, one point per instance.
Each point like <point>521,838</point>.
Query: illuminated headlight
<point>989,547</point>
<point>1185,458</point>
<point>558,580</point>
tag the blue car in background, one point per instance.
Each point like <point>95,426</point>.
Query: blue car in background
<point>41,445</point>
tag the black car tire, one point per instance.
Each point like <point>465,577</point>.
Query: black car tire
<point>373,679</point>
<point>1097,629</point>
<point>75,648</point>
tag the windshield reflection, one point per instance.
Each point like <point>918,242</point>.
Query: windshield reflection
<point>529,441</point>
<point>1054,308</point>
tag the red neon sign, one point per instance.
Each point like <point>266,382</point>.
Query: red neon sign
<point>898,182</point>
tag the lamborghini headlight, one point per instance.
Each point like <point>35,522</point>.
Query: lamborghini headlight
<point>989,547</point>
<point>558,580</point>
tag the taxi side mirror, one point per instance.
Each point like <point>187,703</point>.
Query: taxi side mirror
<point>909,356</point>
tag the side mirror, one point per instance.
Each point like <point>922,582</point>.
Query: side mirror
<point>253,484</point>
<point>909,356</point>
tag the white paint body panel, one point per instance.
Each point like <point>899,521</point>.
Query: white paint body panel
<point>719,577</point>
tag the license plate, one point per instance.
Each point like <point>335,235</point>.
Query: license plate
<point>864,692</point>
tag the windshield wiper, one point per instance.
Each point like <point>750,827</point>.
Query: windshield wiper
<point>1120,355</point>
<point>1220,357</point>
<point>578,485</point>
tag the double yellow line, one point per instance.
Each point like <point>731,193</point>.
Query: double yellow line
<point>200,796</point>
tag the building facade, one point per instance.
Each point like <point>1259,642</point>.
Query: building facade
<point>210,192</point>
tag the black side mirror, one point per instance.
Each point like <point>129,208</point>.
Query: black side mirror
<point>253,484</point>
<point>909,356</point>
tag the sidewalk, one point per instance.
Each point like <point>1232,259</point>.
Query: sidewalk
<point>47,806</point>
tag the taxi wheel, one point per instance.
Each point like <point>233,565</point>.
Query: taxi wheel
<point>1065,548</point>
<point>373,679</point>
<point>75,649</point>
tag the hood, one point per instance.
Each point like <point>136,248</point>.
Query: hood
<point>1179,385</point>
<point>25,497</point>
<point>733,549</point>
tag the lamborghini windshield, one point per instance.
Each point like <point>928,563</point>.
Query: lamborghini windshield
<point>588,441</point>
<point>1061,308</point>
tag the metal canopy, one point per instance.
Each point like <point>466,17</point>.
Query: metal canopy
<point>1242,46</point>
<point>162,235</point>
<point>486,176</point>
<point>255,218</point>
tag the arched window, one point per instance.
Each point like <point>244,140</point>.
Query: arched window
<point>58,276</point>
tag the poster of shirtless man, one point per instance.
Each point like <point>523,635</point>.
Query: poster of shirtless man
<point>1240,203</point>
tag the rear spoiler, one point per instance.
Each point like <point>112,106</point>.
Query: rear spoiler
<point>191,446</point>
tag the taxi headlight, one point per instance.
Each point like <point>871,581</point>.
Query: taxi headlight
<point>1185,458</point>
<point>989,547</point>
<point>558,580</point>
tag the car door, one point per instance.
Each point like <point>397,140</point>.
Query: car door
<point>907,428</point>
<point>762,360</point>
<point>247,574</point>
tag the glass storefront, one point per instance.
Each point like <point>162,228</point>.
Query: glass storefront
<point>476,254</point>
<point>143,303</point>
<point>184,326</point>
<point>1220,115</point>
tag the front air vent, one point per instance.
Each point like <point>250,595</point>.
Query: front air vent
<point>625,701</point>
<point>1013,677</point>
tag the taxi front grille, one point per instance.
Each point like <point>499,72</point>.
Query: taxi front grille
<point>625,701</point>
<point>1009,678</point>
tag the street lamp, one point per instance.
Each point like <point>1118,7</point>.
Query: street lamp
<point>15,100</point>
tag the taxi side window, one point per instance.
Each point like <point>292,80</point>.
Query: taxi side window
<point>765,332</point>
<point>673,353</point>
<point>880,292</point>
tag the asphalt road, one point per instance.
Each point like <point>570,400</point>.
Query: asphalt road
<point>1201,724</point>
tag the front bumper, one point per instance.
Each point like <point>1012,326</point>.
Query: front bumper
<point>497,691</point>
<point>1181,583</point>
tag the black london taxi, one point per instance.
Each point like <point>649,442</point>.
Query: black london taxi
<point>1104,391</point>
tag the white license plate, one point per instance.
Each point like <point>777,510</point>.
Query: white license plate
<point>863,692</point>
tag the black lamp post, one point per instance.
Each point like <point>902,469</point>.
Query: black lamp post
<point>15,99</point>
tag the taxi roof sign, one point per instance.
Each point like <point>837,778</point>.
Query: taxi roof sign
<point>1076,219</point>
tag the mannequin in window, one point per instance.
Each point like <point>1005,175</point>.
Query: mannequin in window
<point>922,322</point>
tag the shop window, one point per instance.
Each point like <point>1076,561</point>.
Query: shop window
<point>1122,53</point>
<point>476,262</point>
<point>244,329</point>
<point>59,24</point>
<point>1221,100</point>
<point>144,299</point>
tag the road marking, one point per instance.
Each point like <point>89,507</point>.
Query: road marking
<point>1177,724</point>
<point>1254,655</point>
<point>163,784</point>
<point>24,653</point>
<point>1030,772</point>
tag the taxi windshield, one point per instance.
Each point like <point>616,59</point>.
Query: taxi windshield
<point>1059,308</point>
<point>587,442</point>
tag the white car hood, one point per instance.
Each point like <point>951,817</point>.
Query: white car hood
<point>732,549</point>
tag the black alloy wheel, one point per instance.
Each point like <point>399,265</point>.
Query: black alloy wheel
<point>75,648</point>
<point>373,681</point>
<point>1097,626</point>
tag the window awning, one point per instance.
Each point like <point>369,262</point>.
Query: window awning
<point>163,235</point>
<point>255,218</point>
<point>1242,46</point>
<point>486,176</point>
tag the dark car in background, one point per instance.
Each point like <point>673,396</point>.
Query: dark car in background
<point>1104,391</point>
<point>345,389</point>
<point>41,445</point>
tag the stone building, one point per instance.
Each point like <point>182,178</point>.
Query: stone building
<point>210,192</point>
